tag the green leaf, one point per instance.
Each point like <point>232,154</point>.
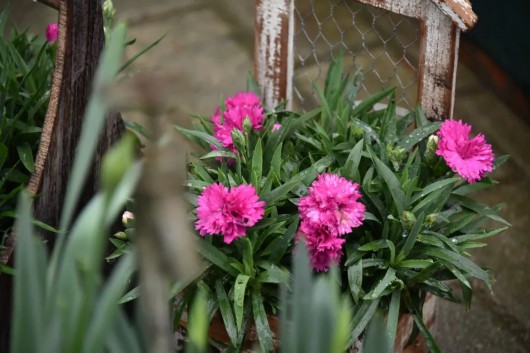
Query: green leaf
<point>411,238</point>
<point>418,135</point>
<point>479,208</point>
<point>201,137</point>
<point>26,156</point>
<point>362,317</point>
<point>3,154</point>
<point>433,187</point>
<point>219,154</point>
<point>458,261</point>
<point>355,280</point>
<point>240,288</point>
<point>107,308</point>
<point>386,281</point>
<point>273,274</point>
<point>392,181</point>
<point>226,312</point>
<point>216,256</point>
<point>475,236</point>
<point>262,323</point>
<point>257,166</point>
<point>29,288</point>
<point>369,103</point>
<point>140,53</point>
<point>392,319</point>
<point>374,245</point>
<point>431,343</point>
<point>351,166</point>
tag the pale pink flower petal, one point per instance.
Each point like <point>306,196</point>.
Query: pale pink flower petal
<point>470,158</point>
<point>52,31</point>
<point>276,127</point>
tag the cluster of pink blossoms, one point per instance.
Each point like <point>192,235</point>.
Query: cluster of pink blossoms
<point>329,211</point>
<point>228,212</point>
<point>471,159</point>
<point>238,107</point>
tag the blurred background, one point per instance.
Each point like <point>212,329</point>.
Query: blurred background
<point>208,51</point>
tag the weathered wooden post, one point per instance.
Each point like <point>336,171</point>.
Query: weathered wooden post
<point>80,43</point>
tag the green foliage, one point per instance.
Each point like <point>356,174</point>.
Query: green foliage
<point>419,224</point>
<point>26,65</point>
<point>61,304</point>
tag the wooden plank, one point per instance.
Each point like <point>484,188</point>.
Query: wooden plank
<point>273,56</point>
<point>439,38</point>
<point>459,11</point>
<point>80,43</point>
<point>409,8</point>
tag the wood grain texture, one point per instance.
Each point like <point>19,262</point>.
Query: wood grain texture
<point>409,8</point>
<point>439,38</point>
<point>273,56</point>
<point>81,41</point>
<point>459,11</point>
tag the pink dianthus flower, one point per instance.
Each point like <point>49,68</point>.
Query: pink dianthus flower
<point>332,201</point>
<point>323,244</point>
<point>51,32</point>
<point>228,212</point>
<point>238,107</point>
<point>470,158</point>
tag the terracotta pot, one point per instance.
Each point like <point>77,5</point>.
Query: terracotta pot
<point>218,332</point>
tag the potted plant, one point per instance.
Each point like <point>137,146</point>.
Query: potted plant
<point>384,199</point>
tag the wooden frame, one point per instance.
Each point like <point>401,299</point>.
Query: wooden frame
<point>440,24</point>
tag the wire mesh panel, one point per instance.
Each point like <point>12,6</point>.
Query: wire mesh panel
<point>383,45</point>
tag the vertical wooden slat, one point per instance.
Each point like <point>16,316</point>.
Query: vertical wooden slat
<point>273,57</point>
<point>81,41</point>
<point>438,61</point>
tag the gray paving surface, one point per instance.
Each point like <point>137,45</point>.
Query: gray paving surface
<point>206,54</point>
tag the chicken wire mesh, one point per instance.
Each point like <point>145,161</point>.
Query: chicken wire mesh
<point>384,45</point>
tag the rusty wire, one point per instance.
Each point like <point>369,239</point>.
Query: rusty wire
<point>384,45</point>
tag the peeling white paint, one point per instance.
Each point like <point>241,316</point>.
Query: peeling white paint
<point>459,11</point>
<point>270,13</point>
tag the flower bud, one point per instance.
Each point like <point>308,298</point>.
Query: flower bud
<point>247,125</point>
<point>127,218</point>
<point>239,140</point>
<point>431,219</point>
<point>109,11</point>
<point>430,152</point>
<point>408,219</point>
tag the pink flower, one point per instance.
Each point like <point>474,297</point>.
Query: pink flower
<point>276,127</point>
<point>238,107</point>
<point>471,159</point>
<point>332,201</point>
<point>228,212</point>
<point>324,246</point>
<point>51,32</point>
<point>241,99</point>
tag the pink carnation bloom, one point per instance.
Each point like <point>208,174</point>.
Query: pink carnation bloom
<point>332,201</point>
<point>471,159</point>
<point>228,212</point>
<point>324,246</point>
<point>52,32</point>
<point>238,107</point>
<point>242,98</point>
